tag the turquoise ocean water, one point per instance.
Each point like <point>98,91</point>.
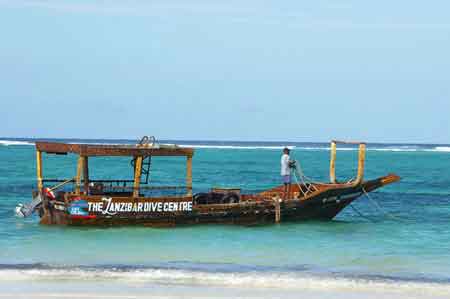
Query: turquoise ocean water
<point>406,243</point>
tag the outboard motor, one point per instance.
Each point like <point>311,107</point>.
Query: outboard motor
<point>25,210</point>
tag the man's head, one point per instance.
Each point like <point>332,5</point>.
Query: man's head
<point>286,151</point>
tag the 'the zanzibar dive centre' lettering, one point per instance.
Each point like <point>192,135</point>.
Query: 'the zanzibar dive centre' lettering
<point>108,207</point>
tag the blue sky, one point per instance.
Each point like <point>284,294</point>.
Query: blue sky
<point>226,70</point>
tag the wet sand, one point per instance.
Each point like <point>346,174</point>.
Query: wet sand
<point>119,290</point>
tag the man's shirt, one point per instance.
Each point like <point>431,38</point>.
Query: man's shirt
<point>285,165</point>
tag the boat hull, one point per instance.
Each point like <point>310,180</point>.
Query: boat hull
<point>323,204</point>
<point>242,214</point>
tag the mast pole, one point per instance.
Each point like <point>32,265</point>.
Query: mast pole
<point>137,176</point>
<point>39,170</point>
<point>79,173</point>
<point>189,175</point>
<point>333,162</point>
<point>361,160</point>
<point>86,174</point>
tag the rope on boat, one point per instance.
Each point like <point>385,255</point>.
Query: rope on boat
<point>361,214</point>
<point>299,175</point>
<point>62,184</point>
<point>378,207</point>
<point>302,179</point>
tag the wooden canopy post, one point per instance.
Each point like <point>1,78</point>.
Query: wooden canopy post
<point>39,170</point>
<point>79,174</point>
<point>189,175</point>
<point>86,174</point>
<point>137,176</point>
<point>361,160</point>
<point>277,210</point>
<point>333,163</point>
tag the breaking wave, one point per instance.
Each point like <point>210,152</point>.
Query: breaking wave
<point>15,142</point>
<point>289,279</point>
<point>324,148</point>
<point>442,149</point>
<point>277,147</point>
<point>258,145</point>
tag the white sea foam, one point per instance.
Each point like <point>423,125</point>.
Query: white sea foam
<point>283,280</point>
<point>236,146</point>
<point>316,148</point>
<point>15,142</point>
<point>400,148</point>
<point>264,147</point>
<point>442,149</point>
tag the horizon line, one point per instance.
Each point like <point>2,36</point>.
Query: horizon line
<point>209,140</point>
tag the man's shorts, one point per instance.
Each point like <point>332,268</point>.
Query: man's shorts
<point>286,179</point>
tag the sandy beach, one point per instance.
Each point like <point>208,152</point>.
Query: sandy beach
<point>121,290</point>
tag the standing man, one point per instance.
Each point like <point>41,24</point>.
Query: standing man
<point>286,172</point>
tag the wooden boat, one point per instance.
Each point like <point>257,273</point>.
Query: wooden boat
<point>127,202</point>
